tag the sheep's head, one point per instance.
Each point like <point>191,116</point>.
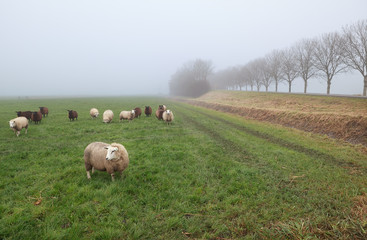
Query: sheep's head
<point>111,153</point>
<point>168,112</point>
<point>12,124</point>
<point>133,112</point>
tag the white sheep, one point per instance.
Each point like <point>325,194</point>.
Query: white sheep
<point>94,113</point>
<point>17,124</point>
<point>128,115</point>
<point>107,116</point>
<point>168,116</point>
<point>105,157</point>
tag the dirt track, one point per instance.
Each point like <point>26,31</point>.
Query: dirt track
<point>352,129</point>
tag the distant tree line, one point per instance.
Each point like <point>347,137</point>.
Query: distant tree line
<point>321,57</point>
<point>191,80</point>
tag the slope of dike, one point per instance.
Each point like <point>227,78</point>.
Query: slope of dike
<point>337,117</point>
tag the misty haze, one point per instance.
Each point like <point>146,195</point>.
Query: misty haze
<point>107,48</point>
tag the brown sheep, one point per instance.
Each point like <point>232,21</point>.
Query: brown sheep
<point>148,111</point>
<point>44,111</point>
<point>26,114</point>
<point>159,114</point>
<point>72,115</point>
<point>105,157</point>
<point>137,112</point>
<point>36,117</point>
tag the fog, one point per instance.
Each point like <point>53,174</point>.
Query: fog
<point>81,48</point>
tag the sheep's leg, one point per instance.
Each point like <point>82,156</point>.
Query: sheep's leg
<point>88,174</point>
<point>113,177</point>
<point>26,130</point>
<point>18,132</point>
<point>92,170</point>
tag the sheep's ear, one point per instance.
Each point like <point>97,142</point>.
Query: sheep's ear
<point>106,147</point>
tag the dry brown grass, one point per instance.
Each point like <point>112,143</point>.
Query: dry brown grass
<point>341,118</point>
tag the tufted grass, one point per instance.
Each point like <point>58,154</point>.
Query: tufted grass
<point>208,176</point>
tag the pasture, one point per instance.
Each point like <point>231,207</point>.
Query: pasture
<point>209,175</point>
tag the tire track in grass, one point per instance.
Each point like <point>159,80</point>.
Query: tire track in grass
<point>283,143</point>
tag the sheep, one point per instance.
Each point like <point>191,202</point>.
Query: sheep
<point>26,114</point>
<point>107,116</point>
<point>137,112</point>
<point>17,124</point>
<point>148,111</point>
<point>128,115</point>
<point>72,115</point>
<point>44,111</point>
<point>162,107</point>
<point>36,117</point>
<point>105,157</point>
<point>159,114</point>
<point>168,116</point>
<point>94,113</point>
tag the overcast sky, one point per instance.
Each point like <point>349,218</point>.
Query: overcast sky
<point>90,47</point>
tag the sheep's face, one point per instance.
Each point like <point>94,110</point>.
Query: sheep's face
<point>12,124</point>
<point>168,112</point>
<point>133,112</point>
<point>96,114</point>
<point>111,153</point>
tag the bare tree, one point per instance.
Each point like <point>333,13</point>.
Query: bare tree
<point>328,56</point>
<point>191,79</point>
<point>254,68</point>
<point>274,60</point>
<point>289,67</point>
<point>355,48</point>
<point>305,59</point>
<point>265,73</point>
<point>245,74</point>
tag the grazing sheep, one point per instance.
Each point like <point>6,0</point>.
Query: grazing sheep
<point>18,124</point>
<point>107,116</point>
<point>94,113</point>
<point>162,107</point>
<point>137,112</point>
<point>159,114</point>
<point>72,115</point>
<point>167,116</point>
<point>128,115</point>
<point>36,117</point>
<point>105,157</point>
<point>148,111</point>
<point>26,114</point>
<point>44,111</point>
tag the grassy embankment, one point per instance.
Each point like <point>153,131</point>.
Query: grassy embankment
<point>209,175</point>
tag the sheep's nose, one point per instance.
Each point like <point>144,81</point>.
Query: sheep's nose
<point>106,158</point>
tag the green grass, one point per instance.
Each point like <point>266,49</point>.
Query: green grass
<point>209,175</point>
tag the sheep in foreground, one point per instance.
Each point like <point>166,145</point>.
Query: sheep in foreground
<point>148,111</point>
<point>18,124</point>
<point>168,116</point>
<point>105,157</point>
<point>94,113</point>
<point>128,115</point>
<point>107,116</point>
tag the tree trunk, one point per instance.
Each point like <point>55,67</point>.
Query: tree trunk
<point>305,89</point>
<point>240,88</point>
<point>276,86</point>
<point>290,86</point>
<point>365,86</point>
<point>328,86</point>
<point>266,87</point>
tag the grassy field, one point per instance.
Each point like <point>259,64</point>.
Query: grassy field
<point>210,175</point>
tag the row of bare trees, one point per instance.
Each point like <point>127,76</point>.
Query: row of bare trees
<point>322,57</point>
